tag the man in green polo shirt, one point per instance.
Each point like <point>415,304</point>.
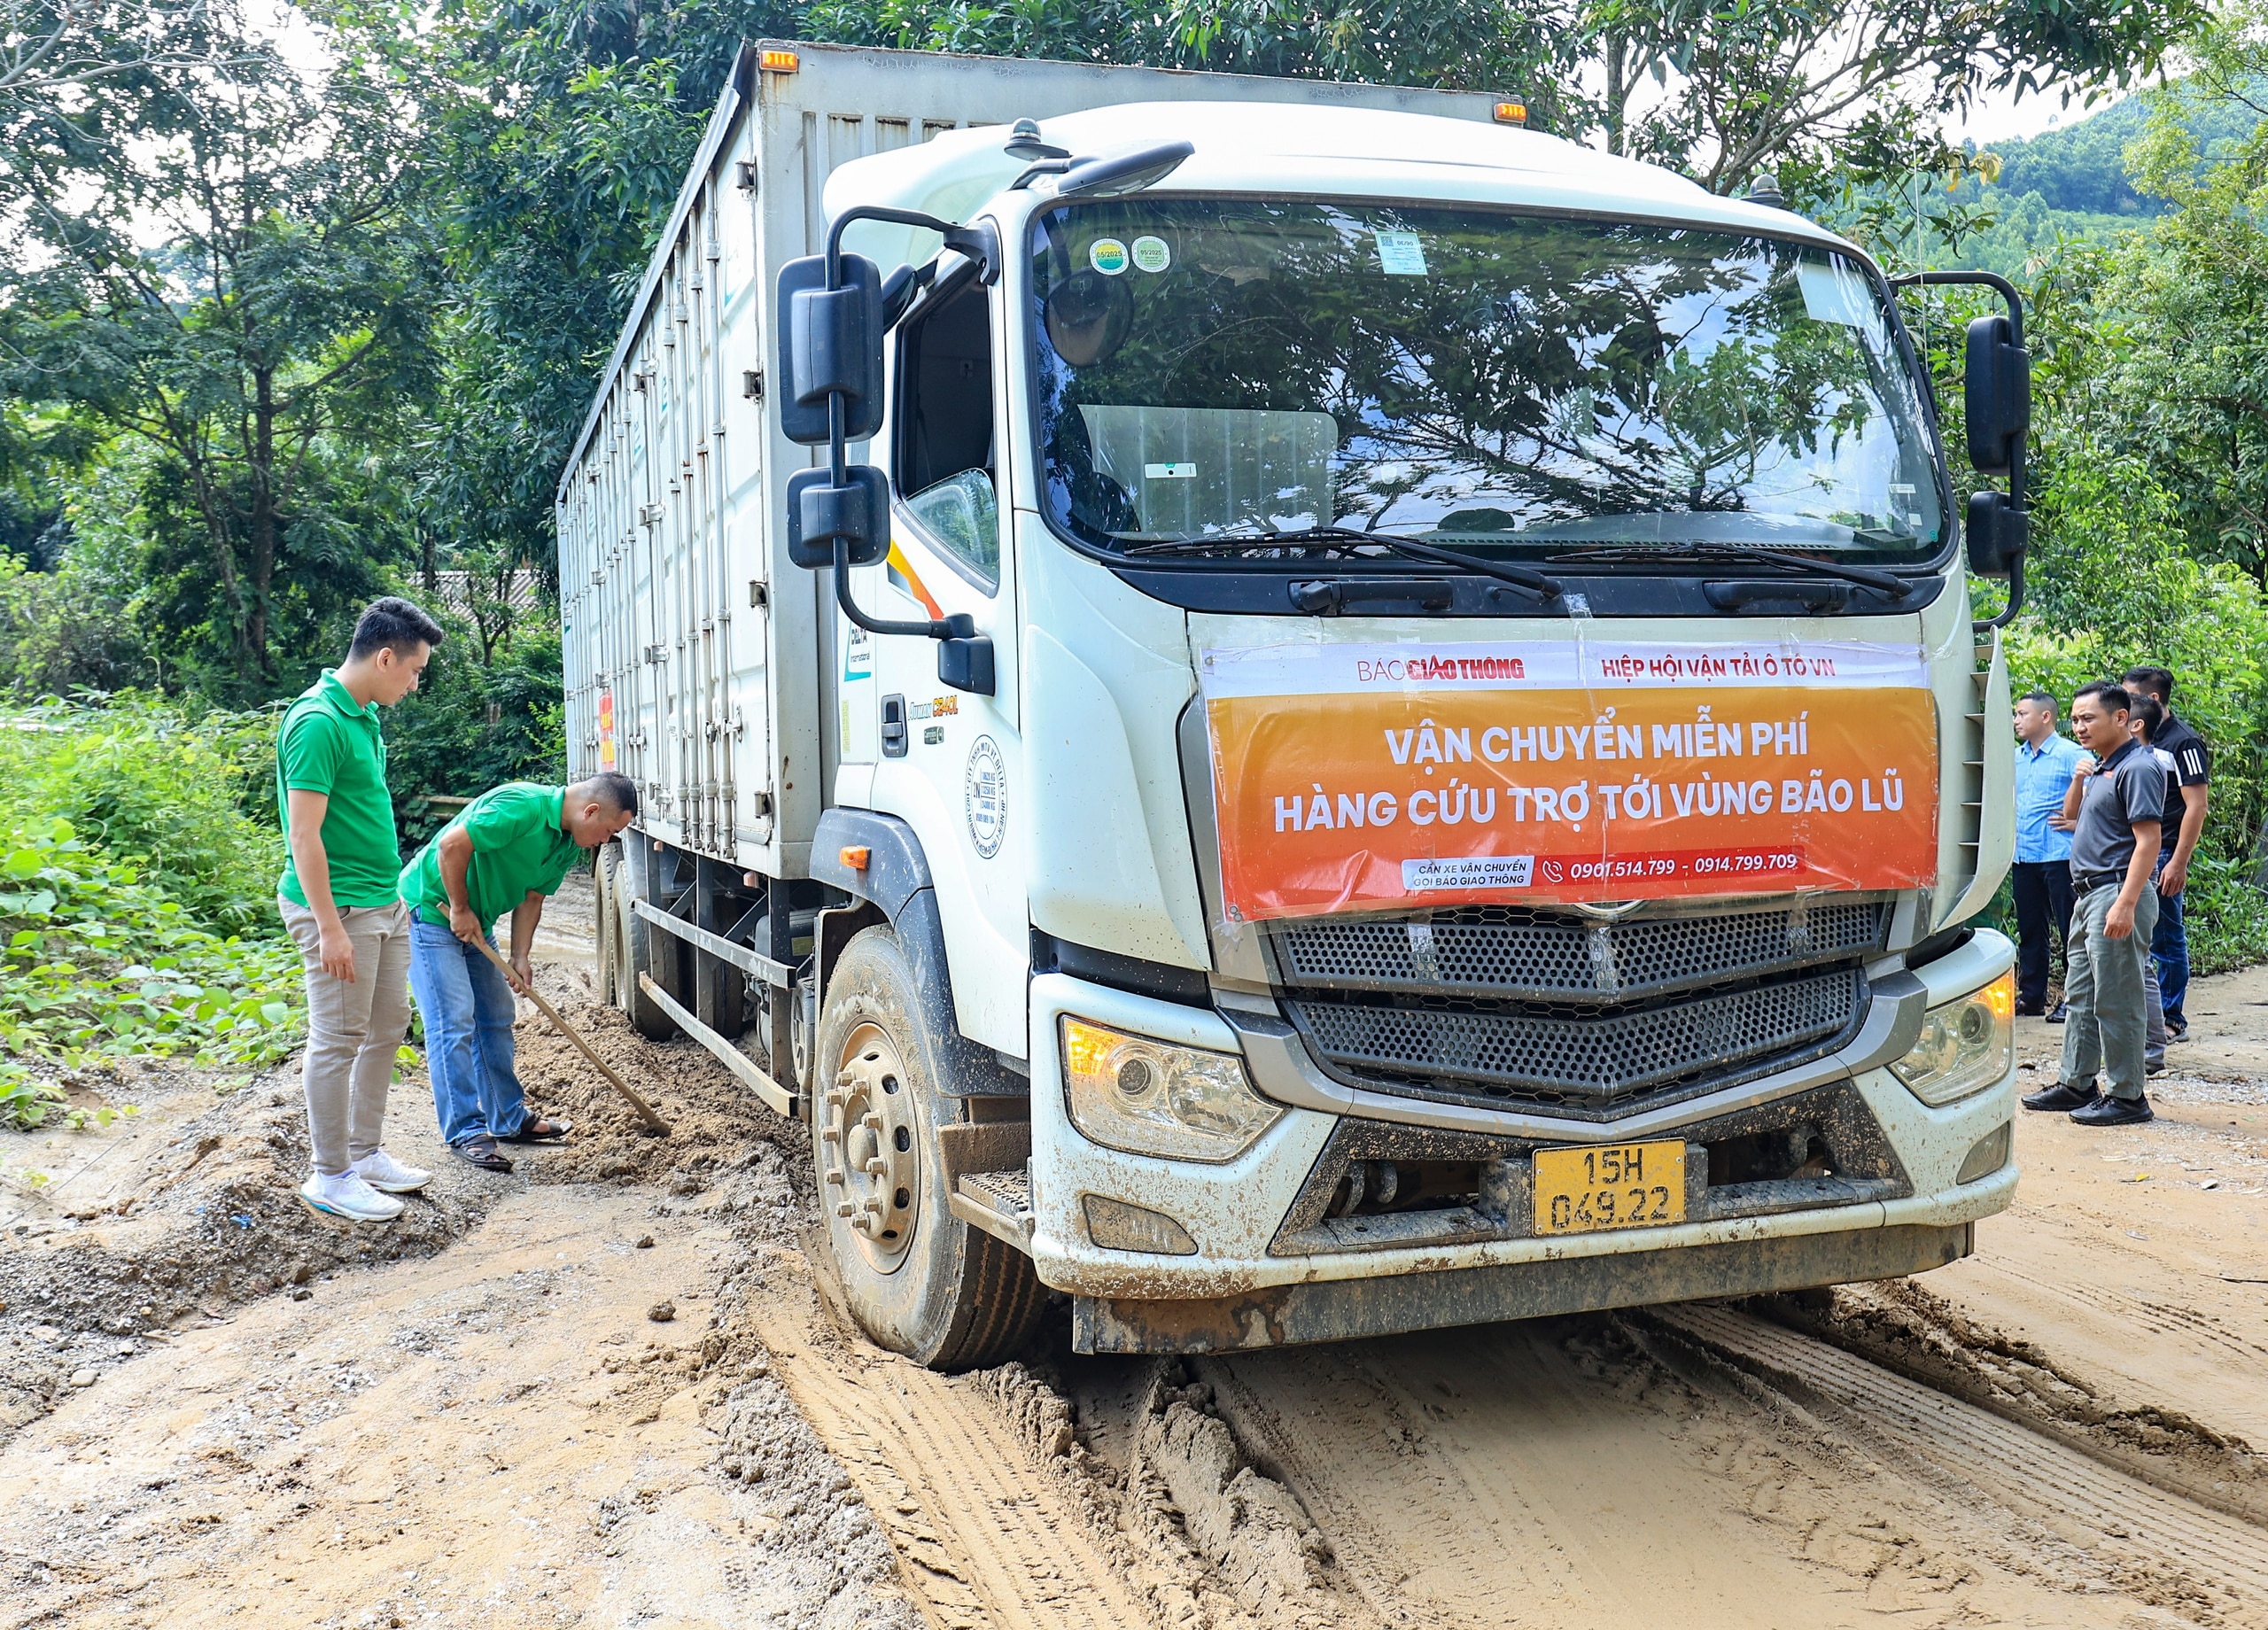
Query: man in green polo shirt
<point>339,901</point>
<point>507,851</point>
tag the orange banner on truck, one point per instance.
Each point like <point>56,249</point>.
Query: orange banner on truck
<point>1363,777</point>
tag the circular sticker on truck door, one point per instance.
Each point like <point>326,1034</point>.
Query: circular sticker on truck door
<point>985,794</point>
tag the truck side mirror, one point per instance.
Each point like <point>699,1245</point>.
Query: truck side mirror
<point>1997,396</point>
<point>965,657</point>
<point>1997,532</point>
<point>830,346</point>
<point>820,514</point>
<point>832,315</point>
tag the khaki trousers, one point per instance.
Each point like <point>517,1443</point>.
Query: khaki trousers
<point>353,1030</point>
<point>2106,1002</point>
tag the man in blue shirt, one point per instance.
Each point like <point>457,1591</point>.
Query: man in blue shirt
<point>2042,873</point>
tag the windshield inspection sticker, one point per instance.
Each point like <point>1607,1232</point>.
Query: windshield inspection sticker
<point>1401,254</point>
<point>1107,256</point>
<point>1168,472</point>
<point>1151,255</point>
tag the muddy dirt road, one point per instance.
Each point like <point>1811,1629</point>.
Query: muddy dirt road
<point>608,1390</point>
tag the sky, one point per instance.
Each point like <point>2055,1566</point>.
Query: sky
<point>2002,118</point>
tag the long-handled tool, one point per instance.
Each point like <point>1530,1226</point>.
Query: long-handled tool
<point>645,1110</point>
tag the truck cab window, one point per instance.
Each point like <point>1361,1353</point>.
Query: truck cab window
<point>944,434</point>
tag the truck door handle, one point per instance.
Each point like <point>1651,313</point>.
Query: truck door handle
<point>894,737</point>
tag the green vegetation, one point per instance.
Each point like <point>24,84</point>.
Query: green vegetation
<point>99,962</point>
<point>137,874</point>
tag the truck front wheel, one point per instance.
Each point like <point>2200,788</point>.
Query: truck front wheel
<point>918,1279</point>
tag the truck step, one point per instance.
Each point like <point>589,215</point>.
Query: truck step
<point>998,1202</point>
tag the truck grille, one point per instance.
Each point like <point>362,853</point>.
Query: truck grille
<point>1547,956</point>
<point>1557,1013</point>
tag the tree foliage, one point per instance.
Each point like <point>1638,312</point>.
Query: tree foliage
<point>254,361</point>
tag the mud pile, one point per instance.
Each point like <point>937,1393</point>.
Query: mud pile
<point>197,1213</point>
<point>716,1124</point>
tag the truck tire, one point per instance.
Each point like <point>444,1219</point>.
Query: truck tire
<point>641,948</point>
<point>918,1279</point>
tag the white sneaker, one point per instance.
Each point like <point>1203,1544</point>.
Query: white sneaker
<point>383,1172</point>
<point>348,1196</point>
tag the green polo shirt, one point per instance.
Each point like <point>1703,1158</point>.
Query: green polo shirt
<point>517,846</point>
<point>331,744</point>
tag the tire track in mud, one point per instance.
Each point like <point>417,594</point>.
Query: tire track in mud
<point>2216,1561</point>
<point>1511,1475</point>
<point>1696,1462</point>
<point>984,1540</point>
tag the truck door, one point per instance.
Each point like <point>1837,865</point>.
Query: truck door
<point>949,762</point>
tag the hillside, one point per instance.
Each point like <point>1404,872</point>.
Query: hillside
<point>2071,182</point>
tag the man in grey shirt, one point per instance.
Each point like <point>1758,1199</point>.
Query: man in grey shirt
<point>2118,804</point>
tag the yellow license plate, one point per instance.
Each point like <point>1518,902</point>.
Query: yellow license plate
<point>1616,1185</point>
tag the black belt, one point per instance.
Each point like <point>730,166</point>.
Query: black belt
<point>2087,882</point>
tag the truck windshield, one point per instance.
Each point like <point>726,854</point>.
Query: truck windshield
<point>1215,370</point>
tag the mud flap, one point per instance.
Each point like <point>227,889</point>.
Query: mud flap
<point>1340,1309</point>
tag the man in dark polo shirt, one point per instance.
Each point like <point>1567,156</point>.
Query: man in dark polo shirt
<point>2116,804</point>
<point>2192,768</point>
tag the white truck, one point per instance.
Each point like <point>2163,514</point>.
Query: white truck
<point>1294,710</point>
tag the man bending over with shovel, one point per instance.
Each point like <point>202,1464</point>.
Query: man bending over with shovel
<point>508,850</point>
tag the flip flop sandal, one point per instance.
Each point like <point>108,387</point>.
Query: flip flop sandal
<point>481,1151</point>
<point>538,1129</point>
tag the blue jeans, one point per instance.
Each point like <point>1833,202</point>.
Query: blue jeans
<point>2169,949</point>
<point>469,1011</point>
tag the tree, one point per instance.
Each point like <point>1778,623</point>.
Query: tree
<point>72,71</point>
<point>1719,89</point>
<point>1861,82</point>
<point>259,344</point>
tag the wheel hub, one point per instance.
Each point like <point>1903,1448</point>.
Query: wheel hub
<point>869,1169</point>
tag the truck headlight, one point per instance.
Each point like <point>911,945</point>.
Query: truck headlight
<point>1152,1097</point>
<point>1966,1044</point>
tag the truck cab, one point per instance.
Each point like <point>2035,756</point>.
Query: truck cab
<point>1394,734</point>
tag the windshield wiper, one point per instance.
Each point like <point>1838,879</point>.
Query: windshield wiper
<point>1343,537</point>
<point>1886,583</point>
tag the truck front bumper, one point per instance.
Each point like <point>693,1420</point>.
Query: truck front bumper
<point>1242,1287</point>
<point>1336,1310</point>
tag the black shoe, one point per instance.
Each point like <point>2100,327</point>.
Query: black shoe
<point>2062,1095</point>
<point>2029,1010</point>
<point>2155,1069</point>
<point>2176,1032</point>
<point>481,1151</point>
<point>2114,1112</point>
<point>2057,1016</point>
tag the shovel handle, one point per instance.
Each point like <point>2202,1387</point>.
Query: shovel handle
<point>645,1110</point>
